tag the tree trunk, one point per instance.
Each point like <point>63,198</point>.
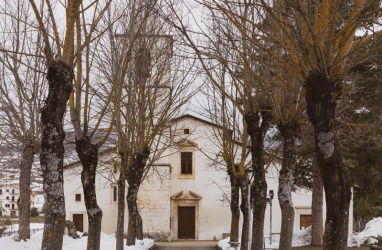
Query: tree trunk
<point>135,229</point>
<point>60,77</point>
<point>256,131</point>
<point>235,209</point>
<point>245,209</point>
<point>321,97</point>
<point>317,203</point>
<point>134,176</point>
<point>88,154</point>
<point>121,204</point>
<point>24,202</point>
<point>289,133</point>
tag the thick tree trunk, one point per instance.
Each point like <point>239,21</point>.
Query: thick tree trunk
<point>88,154</point>
<point>24,202</point>
<point>135,229</point>
<point>256,130</point>
<point>60,77</point>
<point>321,97</point>
<point>121,204</point>
<point>235,209</point>
<point>289,133</point>
<point>245,209</point>
<point>317,204</point>
<point>134,176</point>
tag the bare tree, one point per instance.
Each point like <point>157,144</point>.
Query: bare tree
<point>317,39</point>
<point>252,99</point>
<point>21,89</point>
<point>60,55</point>
<point>233,143</point>
<point>152,93</point>
<point>115,54</point>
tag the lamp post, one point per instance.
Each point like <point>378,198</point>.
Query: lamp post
<point>269,201</point>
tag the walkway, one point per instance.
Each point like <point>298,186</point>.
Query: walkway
<point>187,245</point>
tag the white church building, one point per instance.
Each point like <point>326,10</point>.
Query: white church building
<point>184,196</point>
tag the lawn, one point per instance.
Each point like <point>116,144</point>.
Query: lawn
<point>38,219</point>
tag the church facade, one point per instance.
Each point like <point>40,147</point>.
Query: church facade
<point>184,195</point>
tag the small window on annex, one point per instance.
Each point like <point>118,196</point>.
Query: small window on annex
<point>186,163</point>
<point>186,131</point>
<point>115,193</point>
<point>78,197</point>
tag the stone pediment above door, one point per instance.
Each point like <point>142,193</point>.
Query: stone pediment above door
<point>184,143</point>
<point>187,195</point>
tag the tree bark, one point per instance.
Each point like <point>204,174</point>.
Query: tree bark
<point>257,125</point>
<point>134,176</point>
<point>24,204</point>
<point>317,204</point>
<point>121,203</point>
<point>245,209</point>
<point>88,154</point>
<point>321,97</point>
<point>135,229</point>
<point>235,209</point>
<point>289,133</point>
<point>60,77</point>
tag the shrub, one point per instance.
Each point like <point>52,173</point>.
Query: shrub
<point>34,212</point>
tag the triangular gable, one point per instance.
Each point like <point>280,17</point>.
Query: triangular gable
<point>188,195</point>
<point>184,143</point>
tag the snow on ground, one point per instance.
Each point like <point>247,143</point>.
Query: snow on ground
<point>369,235</point>
<point>300,238</point>
<point>15,227</point>
<point>107,242</point>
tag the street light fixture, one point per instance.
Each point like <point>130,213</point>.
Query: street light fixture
<point>269,201</point>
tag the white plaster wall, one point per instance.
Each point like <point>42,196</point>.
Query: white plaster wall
<point>154,200</point>
<point>302,202</point>
<point>209,182</point>
<point>72,186</point>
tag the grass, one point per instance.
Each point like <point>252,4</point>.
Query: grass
<point>38,219</point>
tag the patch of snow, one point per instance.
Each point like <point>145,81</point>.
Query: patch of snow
<point>15,227</point>
<point>369,235</point>
<point>224,244</point>
<point>300,238</point>
<point>107,242</point>
<point>144,244</point>
<point>15,237</point>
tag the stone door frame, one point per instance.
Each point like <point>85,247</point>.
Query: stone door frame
<point>184,199</point>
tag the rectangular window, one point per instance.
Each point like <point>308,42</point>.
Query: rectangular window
<point>186,131</point>
<point>78,197</point>
<point>6,205</point>
<point>186,163</point>
<point>1,191</point>
<point>13,191</point>
<point>115,193</point>
<point>13,198</point>
<point>7,198</point>
<point>13,206</point>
